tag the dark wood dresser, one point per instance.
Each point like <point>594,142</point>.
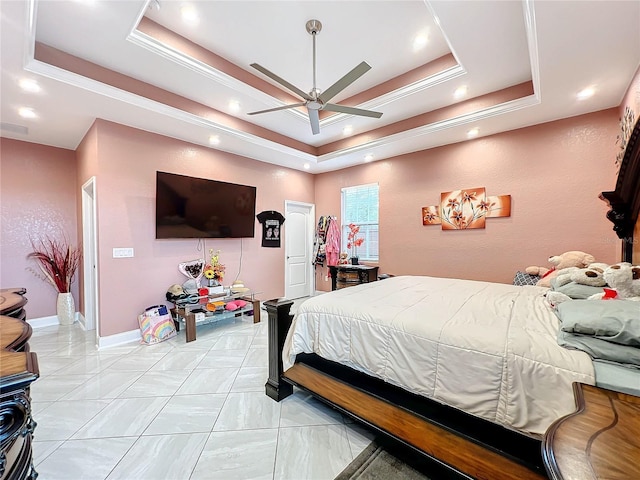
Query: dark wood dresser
<point>601,440</point>
<point>18,370</point>
<point>343,276</point>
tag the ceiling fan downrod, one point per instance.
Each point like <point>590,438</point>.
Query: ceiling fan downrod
<point>314,27</point>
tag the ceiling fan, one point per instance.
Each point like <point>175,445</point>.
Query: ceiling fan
<point>315,101</point>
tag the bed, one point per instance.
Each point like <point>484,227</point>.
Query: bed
<point>479,390</point>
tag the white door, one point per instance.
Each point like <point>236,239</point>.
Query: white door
<point>299,225</point>
<point>90,253</point>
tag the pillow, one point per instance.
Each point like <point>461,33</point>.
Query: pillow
<point>523,278</point>
<point>615,321</point>
<point>576,290</point>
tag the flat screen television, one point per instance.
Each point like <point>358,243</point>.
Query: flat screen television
<point>190,207</point>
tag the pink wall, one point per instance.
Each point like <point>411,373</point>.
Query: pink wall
<point>553,172</point>
<point>37,197</point>
<point>560,166</point>
<point>632,97</point>
<point>127,161</point>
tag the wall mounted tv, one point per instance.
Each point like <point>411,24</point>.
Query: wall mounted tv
<point>189,207</point>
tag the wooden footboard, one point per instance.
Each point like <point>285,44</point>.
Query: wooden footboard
<point>466,444</point>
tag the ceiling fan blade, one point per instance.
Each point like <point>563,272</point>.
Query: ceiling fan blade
<point>284,107</point>
<point>314,117</point>
<point>332,107</point>
<point>344,82</point>
<point>281,81</point>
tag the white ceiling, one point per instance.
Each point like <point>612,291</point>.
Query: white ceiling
<point>561,47</point>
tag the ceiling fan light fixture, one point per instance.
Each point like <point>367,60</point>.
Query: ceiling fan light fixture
<point>316,99</point>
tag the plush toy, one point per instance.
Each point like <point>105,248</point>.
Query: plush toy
<point>624,283</point>
<point>573,258</point>
<point>593,275</point>
<point>343,259</point>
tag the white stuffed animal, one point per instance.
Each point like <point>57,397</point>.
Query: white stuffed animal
<point>624,280</point>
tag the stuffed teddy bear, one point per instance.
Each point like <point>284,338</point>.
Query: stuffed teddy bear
<point>624,282</point>
<point>343,259</point>
<point>573,258</point>
<point>593,275</point>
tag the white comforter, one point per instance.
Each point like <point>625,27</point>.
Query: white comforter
<point>489,349</point>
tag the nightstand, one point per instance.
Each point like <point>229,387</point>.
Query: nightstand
<point>343,276</point>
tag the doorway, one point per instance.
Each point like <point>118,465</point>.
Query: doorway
<point>299,277</point>
<point>90,255</point>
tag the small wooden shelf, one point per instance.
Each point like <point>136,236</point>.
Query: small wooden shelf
<point>343,276</point>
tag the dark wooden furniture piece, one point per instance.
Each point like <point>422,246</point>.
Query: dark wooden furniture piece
<point>599,441</point>
<point>472,447</point>
<point>18,369</point>
<point>343,276</point>
<point>624,201</point>
<point>12,302</point>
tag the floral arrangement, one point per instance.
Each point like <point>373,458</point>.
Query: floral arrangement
<point>214,270</point>
<point>352,239</point>
<point>57,261</point>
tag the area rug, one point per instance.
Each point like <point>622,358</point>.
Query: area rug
<point>377,463</point>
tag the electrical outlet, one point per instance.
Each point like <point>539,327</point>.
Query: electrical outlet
<point>122,252</point>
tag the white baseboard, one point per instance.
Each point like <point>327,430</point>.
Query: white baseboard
<point>52,321</point>
<point>119,339</point>
<point>43,322</point>
<point>103,342</point>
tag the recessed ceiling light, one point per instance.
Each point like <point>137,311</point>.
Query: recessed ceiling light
<point>26,112</point>
<point>460,91</point>
<point>214,140</point>
<point>420,41</point>
<point>586,93</point>
<point>189,14</point>
<point>306,166</point>
<point>234,105</point>
<point>29,85</point>
<point>368,157</point>
<point>348,130</point>
<point>473,132</point>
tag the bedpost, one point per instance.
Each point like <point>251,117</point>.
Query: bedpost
<point>279,323</point>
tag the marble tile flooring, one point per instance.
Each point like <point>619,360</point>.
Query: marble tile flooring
<point>178,411</point>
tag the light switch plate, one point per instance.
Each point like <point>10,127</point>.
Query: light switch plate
<point>122,252</point>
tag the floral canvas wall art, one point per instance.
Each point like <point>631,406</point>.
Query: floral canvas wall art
<point>465,209</point>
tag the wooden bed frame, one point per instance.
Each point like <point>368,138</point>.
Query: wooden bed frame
<point>457,444</point>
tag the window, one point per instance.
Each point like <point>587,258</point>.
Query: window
<point>360,206</point>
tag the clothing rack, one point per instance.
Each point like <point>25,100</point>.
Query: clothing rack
<point>320,241</point>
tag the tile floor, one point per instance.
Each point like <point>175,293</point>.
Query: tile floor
<point>178,411</point>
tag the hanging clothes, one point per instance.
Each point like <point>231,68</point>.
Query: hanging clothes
<point>319,254</point>
<point>333,242</point>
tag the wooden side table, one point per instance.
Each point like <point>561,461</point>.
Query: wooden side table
<point>601,440</point>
